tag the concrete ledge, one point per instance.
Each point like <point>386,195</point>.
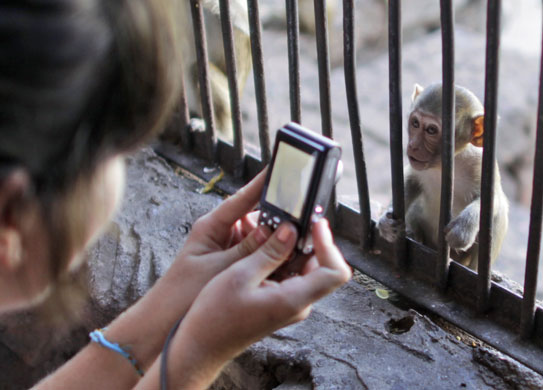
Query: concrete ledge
<point>352,340</point>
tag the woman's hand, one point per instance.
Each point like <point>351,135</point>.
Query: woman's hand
<point>219,239</point>
<point>241,305</point>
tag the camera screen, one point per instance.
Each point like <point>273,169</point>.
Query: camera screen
<point>290,179</point>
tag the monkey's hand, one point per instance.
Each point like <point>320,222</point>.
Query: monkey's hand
<point>389,227</point>
<point>462,231</point>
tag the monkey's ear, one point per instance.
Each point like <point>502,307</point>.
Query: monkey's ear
<point>478,130</point>
<point>417,90</point>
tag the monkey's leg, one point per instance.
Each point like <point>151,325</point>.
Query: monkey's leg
<point>469,258</point>
<point>462,231</point>
<point>221,101</point>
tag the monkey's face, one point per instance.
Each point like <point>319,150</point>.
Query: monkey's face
<point>424,146</point>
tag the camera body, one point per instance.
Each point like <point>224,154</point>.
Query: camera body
<point>299,181</point>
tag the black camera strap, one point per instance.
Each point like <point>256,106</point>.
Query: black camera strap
<point>164,357</point>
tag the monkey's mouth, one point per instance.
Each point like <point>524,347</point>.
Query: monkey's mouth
<point>416,163</point>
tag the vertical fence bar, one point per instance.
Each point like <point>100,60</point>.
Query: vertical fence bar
<point>293,35</point>
<point>324,67</point>
<point>231,70</point>
<point>396,114</point>
<point>260,84</point>
<point>177,131</point>
<point>321,26</point>
<point>203,75</point>
<point>184,116</point>
<point>489,152</point>
<point>349,56</point>
<point>536,216</point>
<point>447,156</point>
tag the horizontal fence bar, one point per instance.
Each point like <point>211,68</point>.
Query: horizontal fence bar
<point>489,152</point>
<point>447,154</point>
<point>293,37</point>
<point>536,217</point>
<point>260,84</point>
<point>396,126</point>
<point>233,87</point>
<point>203,77</point>
<point>349,60</point>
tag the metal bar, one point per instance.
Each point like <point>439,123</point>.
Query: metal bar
<point>536,216</point>
<point>177,131</point>
<point>321,26</point>
<point>458,306</point>
<point>260,84</point>
<point>489,152</point>
<point>184,116</point>
<point>396,115</point>
<point>293,35</point>
<point>447,156</point>
<point>231,70</point>
<point>349,56</point>
<point>203,75</point>
<point>324,67</point>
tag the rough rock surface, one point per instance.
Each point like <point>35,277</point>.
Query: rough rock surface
<point>158,210</point>
<point>352,340</point>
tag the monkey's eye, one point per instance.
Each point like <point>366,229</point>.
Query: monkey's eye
<point>415,123</point>
<point>432,130</point>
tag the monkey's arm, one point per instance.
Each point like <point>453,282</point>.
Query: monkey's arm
<point>462,231</point>
<point>390,228</point>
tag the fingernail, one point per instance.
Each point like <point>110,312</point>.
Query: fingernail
<point>284,233</point>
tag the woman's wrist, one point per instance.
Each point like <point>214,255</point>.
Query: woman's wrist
<point>144,326</point>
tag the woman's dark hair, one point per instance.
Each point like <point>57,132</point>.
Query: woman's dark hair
<point>81,80</point>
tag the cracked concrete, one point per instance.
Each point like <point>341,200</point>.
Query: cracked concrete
<point>352,340</point>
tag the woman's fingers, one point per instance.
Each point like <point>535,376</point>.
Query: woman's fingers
<point>249,222</point>
<point>271,254</point>
<point>244,248</point>
<point>326,252</point>
<point>239,204</point>
<point>325,272</point>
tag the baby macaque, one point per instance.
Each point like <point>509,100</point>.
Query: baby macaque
<point>423,178</point>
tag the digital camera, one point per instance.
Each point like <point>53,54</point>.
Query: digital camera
<point>299,182</point>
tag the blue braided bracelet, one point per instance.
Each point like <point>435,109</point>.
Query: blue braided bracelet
<point>98,337</point>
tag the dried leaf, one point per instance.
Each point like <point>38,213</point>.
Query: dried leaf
<point>382,293</point>
<point>211,184</point>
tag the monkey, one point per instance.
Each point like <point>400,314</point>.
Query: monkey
<point>306,9</point>
<point>423,178</point>
<point>217,64</point>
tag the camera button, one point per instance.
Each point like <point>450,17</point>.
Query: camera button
<point>276,219</point>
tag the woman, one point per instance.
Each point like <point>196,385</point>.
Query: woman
<point>81,83</point>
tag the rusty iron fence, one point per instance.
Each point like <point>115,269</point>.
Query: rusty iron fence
<point>471,300</point>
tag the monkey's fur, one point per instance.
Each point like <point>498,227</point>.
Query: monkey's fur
<point>217,63</point>
<point>423,178</point>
